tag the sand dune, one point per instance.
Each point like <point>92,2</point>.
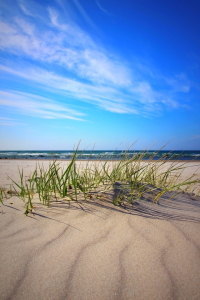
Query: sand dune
<point>96,250</point>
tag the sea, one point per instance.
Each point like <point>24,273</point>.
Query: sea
<point>102,155</point>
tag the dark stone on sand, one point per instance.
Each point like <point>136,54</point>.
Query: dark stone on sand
<point>12,192</point>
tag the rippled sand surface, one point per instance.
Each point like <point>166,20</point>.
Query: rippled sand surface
<point>99,251</point>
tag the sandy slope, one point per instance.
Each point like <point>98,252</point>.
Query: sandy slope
<point>98,251</point>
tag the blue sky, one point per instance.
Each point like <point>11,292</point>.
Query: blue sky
<point>104,72</point>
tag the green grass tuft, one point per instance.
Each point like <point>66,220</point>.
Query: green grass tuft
<point>142,177</point>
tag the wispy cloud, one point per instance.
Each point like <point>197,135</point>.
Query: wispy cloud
<point>9,122</point>
<point>139,100</point>
<point>83,70</point>
<point>105,11</point>
<point>54,19</point>
<point>25,10</point>
<point>73,50</point>
<point>36,106</point>
<point>29,8</point>
<point>84,14</point>
<point>179,83</point>
<point>105,97</point>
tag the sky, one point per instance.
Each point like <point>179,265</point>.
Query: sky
<point>105,72</point>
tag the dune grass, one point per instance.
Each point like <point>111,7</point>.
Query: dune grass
<point>3,194</point>
<point>54,183</point>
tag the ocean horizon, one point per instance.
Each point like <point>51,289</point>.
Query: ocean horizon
<point>102,154</point>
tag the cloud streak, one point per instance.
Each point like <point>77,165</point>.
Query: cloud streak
<point>105,11</point>
<point>9,122</point>
<point>140,100</point>
<point>77,55</point>
<point>36,106</point>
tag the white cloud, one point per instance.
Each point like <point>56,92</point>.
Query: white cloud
<point>54,19</point>
<point>84,14</point>
<point>9,122</point>
<point>84,70</point>
<point>105,11</point>
<point>179,84</point>
<point>36,106</point>
<point>30,8</point>
<point>140,100</point>
<point>25,10</point>
<point>71,49</point>
<point>26,27</point>
<point>107,98</point>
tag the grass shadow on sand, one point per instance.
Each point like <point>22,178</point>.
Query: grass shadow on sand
<point>183,207</point>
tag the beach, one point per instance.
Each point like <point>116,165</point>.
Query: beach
<point>95,250</point>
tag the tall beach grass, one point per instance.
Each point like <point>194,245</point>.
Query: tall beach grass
<point>72,183</point>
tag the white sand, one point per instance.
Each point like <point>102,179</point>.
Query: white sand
<point>97,250</point>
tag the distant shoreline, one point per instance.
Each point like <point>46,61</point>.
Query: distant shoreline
<point>93,160</point>
<point>104,155</point>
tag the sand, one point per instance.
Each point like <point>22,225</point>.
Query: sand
<point>99,251</point>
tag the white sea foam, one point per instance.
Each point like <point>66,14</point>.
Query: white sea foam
<point>32,154</point>
<point>67,153</point>
<point>8,153</point>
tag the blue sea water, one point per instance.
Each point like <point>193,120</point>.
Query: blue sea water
<point>104,155</point>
